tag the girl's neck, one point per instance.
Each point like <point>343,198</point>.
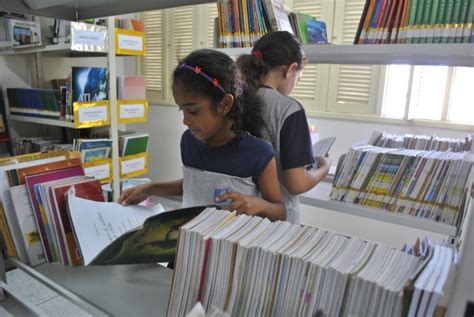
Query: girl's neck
<point>273,79</point>
<point>224,136</point>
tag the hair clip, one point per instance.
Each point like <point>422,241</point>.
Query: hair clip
<point>198,71</point>
<point>257,54</point>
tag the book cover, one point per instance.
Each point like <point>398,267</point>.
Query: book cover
<point>135,144</point>
<point>278,16</point>
<point>89,84</point>
<point>86,188</point>
<point>109,233</point>
<point>317,33</point>
<point>43,168</point>
<point>131,87</point>
<point>363,17</point>
<point>42,219</point>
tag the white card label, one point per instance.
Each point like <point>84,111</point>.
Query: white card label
<point>98,171</point>
<point>132,111</point>
<point>92,114</point>
<point>89,38</point>
<point>133,165</point>
<point>130,42</point>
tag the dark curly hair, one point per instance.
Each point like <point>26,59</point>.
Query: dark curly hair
<point>271,50</point>
<point>246,112</point>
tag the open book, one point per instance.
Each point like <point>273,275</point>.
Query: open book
<point>321,148</point>
<point>109,233</point>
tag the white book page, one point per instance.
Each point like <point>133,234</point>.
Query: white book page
<point>97,224</point>
<point>321,148</point>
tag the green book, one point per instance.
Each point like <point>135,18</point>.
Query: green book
<point>466,36</point>
<point>135,144</point>
<point>418,21</point>
<point>454,20</point>
<point>302,19</point>
<point>440,20</point>
<point>462,20</point>
<point>447,21</point>
<point>432,23</point>
<point>425,21</point>
<point>411,21</point>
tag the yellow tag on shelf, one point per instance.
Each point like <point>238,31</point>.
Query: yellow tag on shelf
<point>99,169</point>
<point>133,165</point>
<point>132,110</point>
<point>91,114</point>
<point>128,42</point>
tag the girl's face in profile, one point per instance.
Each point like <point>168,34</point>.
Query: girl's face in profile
<point>204,122</point>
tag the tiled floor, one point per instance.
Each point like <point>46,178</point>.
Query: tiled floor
<point>48,301</point>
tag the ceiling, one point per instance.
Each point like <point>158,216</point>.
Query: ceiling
<point>82,9</point>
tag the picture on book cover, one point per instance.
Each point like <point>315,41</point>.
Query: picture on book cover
<point>89,84</point>
<point>317,33</point>
<point>109,233</point>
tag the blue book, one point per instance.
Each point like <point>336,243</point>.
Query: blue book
<point>89,84</point>
<point>317,33</point>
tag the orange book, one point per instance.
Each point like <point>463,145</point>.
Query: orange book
<point>403,24</point>
<point>137,25</point>
<point>368,17</point>
<point>48,167</point>
<point>395,28</point>
<point>386,27</point>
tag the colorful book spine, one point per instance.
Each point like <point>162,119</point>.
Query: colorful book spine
<point>423,32</point>
<point>445,31</point>
<point>443,4</point>
<point>432,23</point>
<point>462,19</point>
<point>468,25</point>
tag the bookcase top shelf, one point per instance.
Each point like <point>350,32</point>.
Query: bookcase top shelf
<point>79,10</point>
<point>61,49</point>
<point>384,54</point>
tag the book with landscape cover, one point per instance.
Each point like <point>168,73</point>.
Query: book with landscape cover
<point>109,233</point>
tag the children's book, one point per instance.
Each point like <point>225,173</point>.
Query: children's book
<point>322,147</point>
<point>134,143</point>
<point>317,33</point>
<point>109,233</point>
<point>89,84</point>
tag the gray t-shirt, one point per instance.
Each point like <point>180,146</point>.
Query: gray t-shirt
<point>286,128</point>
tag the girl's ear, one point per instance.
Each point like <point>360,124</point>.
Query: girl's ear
<point>226,104</point>
<point>291,69</point>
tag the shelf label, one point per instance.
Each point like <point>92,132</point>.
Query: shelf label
<point>128,42</point>
<point>91,114</point>
<point>99,170</point>
<point>88,37</point>
<point>133,165</point>
<point>131,111</point>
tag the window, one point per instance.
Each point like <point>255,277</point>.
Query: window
<point>395,91</point>
<point>437,93</point>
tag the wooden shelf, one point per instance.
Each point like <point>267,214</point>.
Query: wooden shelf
<point>62,49</point>
<point>53,122</point>
<point>319,197</point>
<point>384,54</point>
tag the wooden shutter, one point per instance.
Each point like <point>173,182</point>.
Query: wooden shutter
<point>153,65</point>
<point>352,88</point>
<point>311,90</point>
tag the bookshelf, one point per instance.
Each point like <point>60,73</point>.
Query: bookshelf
<point>61,48</point>
<point>414,54</point>
<point>319,197</point>
<point>51,122</point>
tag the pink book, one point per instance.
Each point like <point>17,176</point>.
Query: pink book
<point>42,219</point>
<point>131,87</point>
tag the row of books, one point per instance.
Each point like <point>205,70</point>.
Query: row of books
<point>240,23</point>
<point>129,24</point>
<point>416,21</point>
<point>427,184</point>
<point>422,142</point>
<point>35,223</point>
<point>25,145</point>
<point>43,103</point>
<point>250,266</point>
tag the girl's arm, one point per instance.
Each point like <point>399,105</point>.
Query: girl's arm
<point>299,180</point>
<point>139,193</point>
<point>270,205</point>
